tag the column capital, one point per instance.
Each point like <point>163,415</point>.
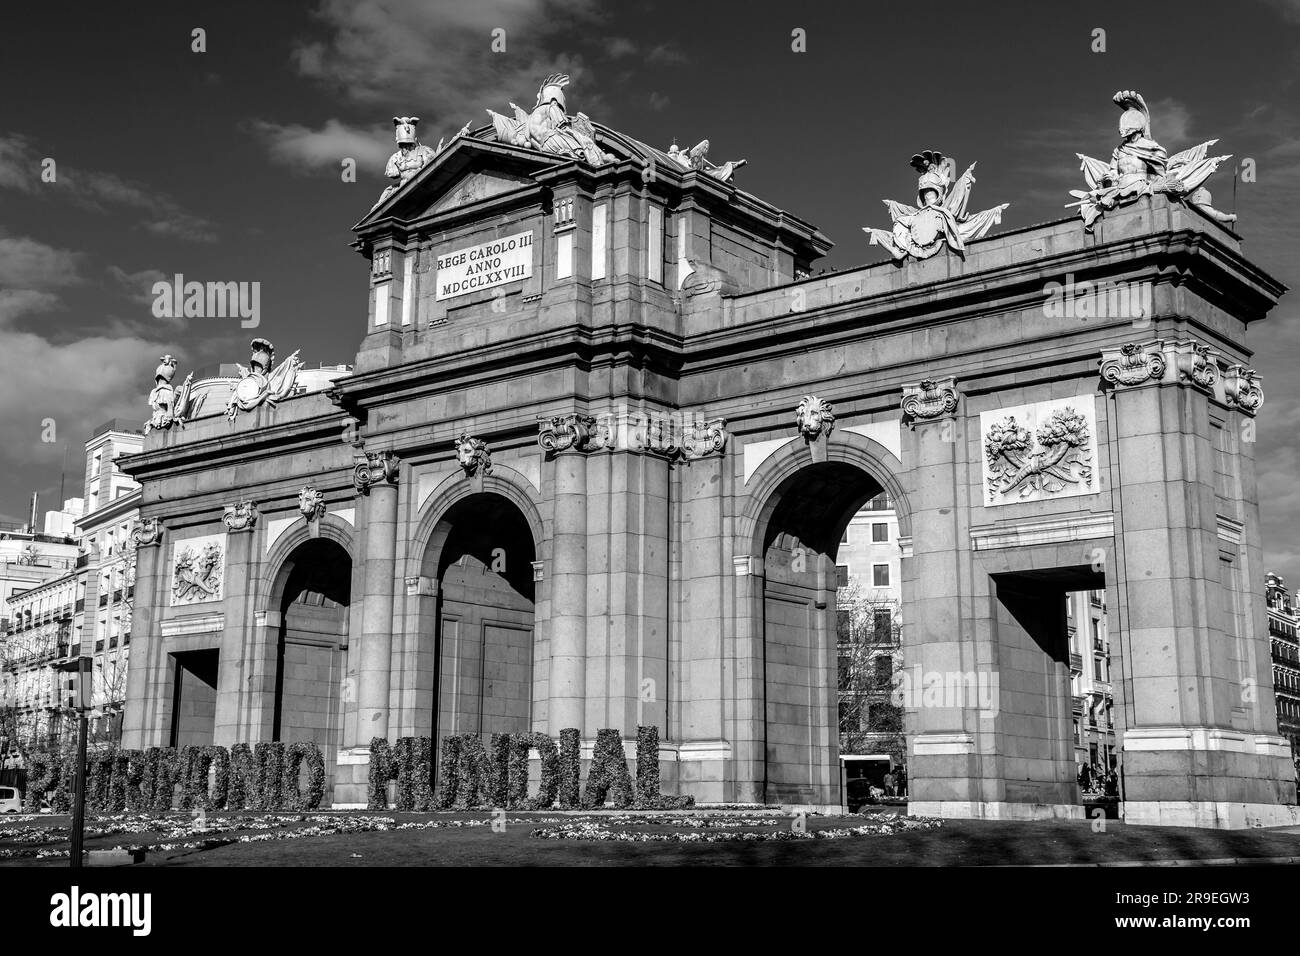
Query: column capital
<point>421,585</point>
<point>564,432</point>
<point>930,399</point>
<point>1134,363</point>
<point>1243,388</point>
<point>375,467</point>
<point>241,516</point>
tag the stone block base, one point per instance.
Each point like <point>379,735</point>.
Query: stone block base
<point>351,779</point>
<point>994,810</point>
<point>1208,814</point>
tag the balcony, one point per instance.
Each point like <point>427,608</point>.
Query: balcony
<point>1098,646</point>
<point>1077,704</point>
<point>1076,663</point>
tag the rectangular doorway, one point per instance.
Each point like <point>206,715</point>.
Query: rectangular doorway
<point>194,697</point>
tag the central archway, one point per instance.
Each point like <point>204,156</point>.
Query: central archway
<point>481,555</point>
<point>805,519</point>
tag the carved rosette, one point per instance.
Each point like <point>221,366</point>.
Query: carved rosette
<point>1196,365</point>
<point>1243,389</point>
<point>240,517</point>
<point>929,399</point>
<point>564,432</point>
<point>146,533</point>
<point>814,417</point>
<point>702,438</point>
<point>473,454</point>
<point>1134,363</point>
<point>311,503</point>
<point>377,466</point>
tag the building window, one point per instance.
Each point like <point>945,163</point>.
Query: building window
<point>882,624</point>
<point>1096,668</point>
<point>843,626</point>
<point>880,532</point>
<point>880,575</point>
<point>884,668</point>
<point>841,575</point>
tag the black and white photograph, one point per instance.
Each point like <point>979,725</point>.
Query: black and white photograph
<point>831,451</point>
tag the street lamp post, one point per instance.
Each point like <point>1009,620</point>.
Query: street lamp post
<point>80,698</point>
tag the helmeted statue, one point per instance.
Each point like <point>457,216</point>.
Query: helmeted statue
<point>939,217</point>
<point>171,406</point>
<point>549,128</point>
<point>260,383</point>
<point>1139,167</point>
<point>411,155</point>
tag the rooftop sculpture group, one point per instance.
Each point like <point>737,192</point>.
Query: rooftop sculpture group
<point>939,217</point>
<point>697,158</point>
<point>549,128</point>
<point>1140,167</point>
<point>260,383</point>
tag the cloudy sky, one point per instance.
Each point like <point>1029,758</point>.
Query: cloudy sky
<point>225,164</point>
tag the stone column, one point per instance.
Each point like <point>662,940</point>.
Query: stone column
<point>376,479</point>
<point>1195,752</point>
<point>565,438</point>
<point>702,655</point>
<point>233,693</point>
<point>941,762</point>
<point>146,639</point>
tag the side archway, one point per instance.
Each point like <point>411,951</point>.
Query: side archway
<point>308,604</point>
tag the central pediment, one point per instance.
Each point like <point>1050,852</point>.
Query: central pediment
<point>476,186</point>
<point>467,171</point>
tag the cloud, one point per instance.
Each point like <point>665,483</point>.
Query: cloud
<point>666,55</point>
<point>1288,9</point>
<point>138,285</point>
<point>436,60</point>
<point>18,302</point>
<point>20,169</point>
<point>618,47</point>
<point>305,149</point>
<point>658,101</point>
<point>1171,121</point>
<point>78,384</point>
<point>26,264</point>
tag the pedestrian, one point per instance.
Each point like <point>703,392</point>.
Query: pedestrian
<point>889,784</point>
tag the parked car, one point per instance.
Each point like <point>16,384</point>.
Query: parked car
<point>11,801</point>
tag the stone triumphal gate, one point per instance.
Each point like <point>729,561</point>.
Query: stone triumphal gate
<point>605,431</point>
